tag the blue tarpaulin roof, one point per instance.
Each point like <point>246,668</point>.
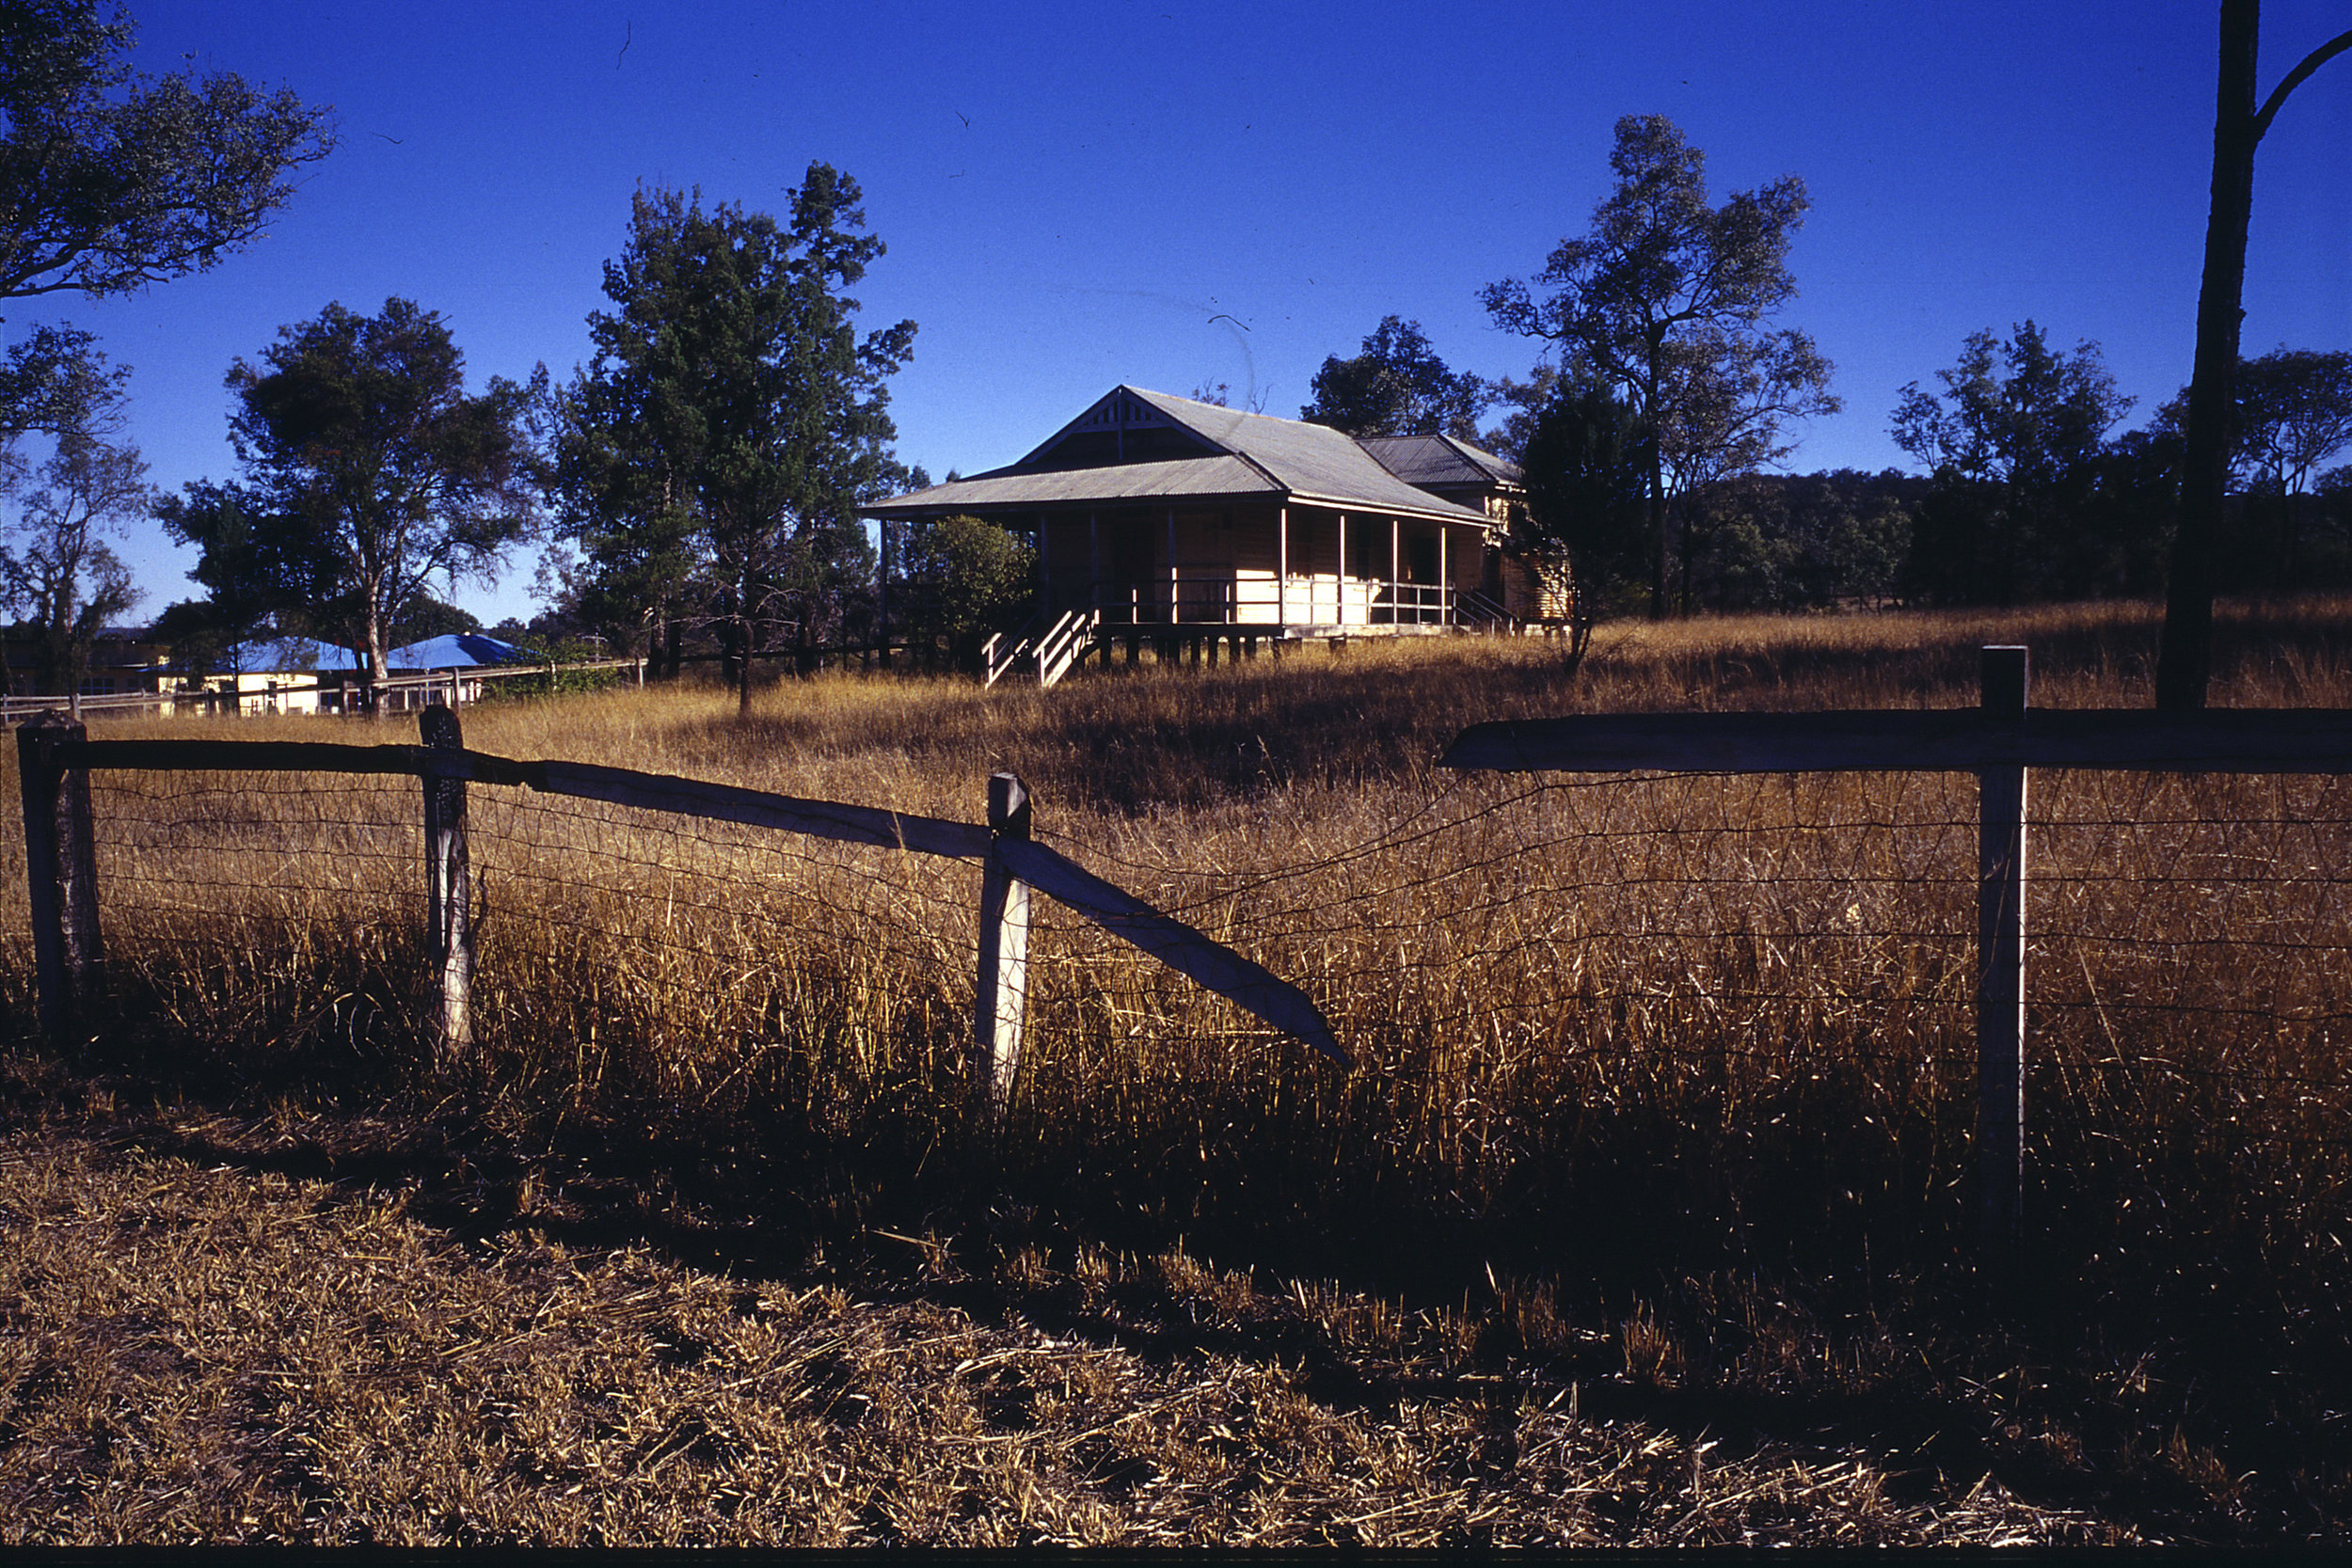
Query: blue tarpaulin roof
<point>463,650</point>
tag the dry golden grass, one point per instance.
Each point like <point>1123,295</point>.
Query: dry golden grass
<point>1663,1090</point>
<point>205,1355</point>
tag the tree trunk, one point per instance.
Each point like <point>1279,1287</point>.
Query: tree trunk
<point>2185,657</point>
<point>369,698</point>
<point>1656,491</point>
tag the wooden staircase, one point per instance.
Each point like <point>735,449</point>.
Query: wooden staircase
<point>1050,649</point>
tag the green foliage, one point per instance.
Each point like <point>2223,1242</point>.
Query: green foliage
<point>58,569</point>
<point>570,658</point>
<point>968,579</point>
<point>712,456</point>
<point>111,179</point>
<point>2294,412</point>
<point>2015,442</point>
<point>368,469</point>
<point>1666,301</point>
<point>1397,387</point>
<point>1526,402</point>
<point>426,616</point>
<point>1586,467</point>
<point>1797,542</point>
<point>53,381</point>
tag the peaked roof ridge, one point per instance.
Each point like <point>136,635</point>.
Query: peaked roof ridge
<point>1494,463</point>
<point>1249,453</point>
<point>1426,457</point>
<point>1230,426</point>
<point>1223,441</point>
<point>1232,417</point>
<point>1301,456</point>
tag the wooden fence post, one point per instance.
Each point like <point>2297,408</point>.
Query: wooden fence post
<point>61,874</point>
<point>1004,988</point>
<point>2001,963</point>
<point>449,931</point>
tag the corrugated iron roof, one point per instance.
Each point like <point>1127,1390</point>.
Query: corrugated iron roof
<point>1439,460</point>
<point>1265,456</point>
<point>1113,483</point>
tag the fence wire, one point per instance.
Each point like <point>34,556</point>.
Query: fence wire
<point>1501,957</point>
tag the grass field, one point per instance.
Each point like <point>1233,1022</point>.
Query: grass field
<point>1643,1214</point>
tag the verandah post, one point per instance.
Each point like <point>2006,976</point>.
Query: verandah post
<point>61,872</point>
<point>449,931</point>
<point>1281,573</point>
<point>2001,963</point>
<point>882,592</point>
<point>1003,985</point>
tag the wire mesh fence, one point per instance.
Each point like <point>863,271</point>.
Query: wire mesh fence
<point>1709,944</point>
<point>1739,965</point>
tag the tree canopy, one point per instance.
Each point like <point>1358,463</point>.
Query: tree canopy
<point>715,449</point>
<point>2015,441</point>
<point>1397,386</point>
<point>2294,413</point>
<point>111,179</point>
<point>2291,412</point>
<point>1666,301</point>
<point>968,577</point>
<point>368,468</point>
<point>57,570</point>
<point>1586,465</point>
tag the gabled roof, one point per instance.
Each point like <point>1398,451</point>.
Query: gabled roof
<point>1209,453</point>
<point>1435,460</point>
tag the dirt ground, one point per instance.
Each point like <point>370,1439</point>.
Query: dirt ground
<point>228,1332</point>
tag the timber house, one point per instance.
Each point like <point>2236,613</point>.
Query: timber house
<point>1184,523</point>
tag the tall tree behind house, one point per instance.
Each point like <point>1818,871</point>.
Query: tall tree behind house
<point>1668,301</point>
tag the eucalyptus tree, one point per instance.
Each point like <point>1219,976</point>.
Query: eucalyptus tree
<point>111,179</point>
<point>367,470</point>
<point>1397,386</point>
<point>2185,655</point>
<point>1667,300</point>
<point>2015,441</point>
<point>58,569</point>
<point>2294,413</point>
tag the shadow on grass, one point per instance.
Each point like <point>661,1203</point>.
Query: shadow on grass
<point>1651,1310</point>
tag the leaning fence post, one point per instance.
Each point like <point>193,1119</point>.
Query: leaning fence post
<point>2001,962</point>
<point>449,932</point>
<point>1004,988</point>
<point>61,872</point>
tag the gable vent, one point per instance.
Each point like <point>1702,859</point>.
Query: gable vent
<point>1121,412</point>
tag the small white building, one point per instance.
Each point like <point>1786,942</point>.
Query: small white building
<point>303,675</point>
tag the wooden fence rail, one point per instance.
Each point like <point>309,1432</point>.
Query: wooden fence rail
<point>55,759</point>
<point>1999,741</point>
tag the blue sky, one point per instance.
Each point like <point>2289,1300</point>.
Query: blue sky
<point>1168,195</point>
